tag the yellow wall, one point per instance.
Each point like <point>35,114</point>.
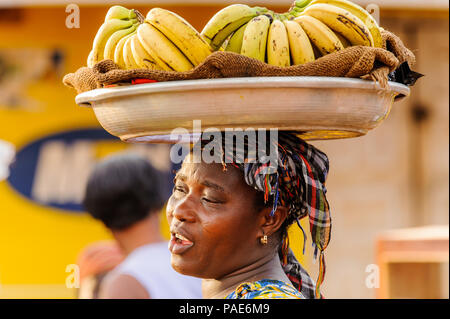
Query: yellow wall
<point>38,242</point>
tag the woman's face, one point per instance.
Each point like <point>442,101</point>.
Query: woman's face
<point>212,212</point>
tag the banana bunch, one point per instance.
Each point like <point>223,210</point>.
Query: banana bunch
<point>309,30</point>
<point>160,41</point>
<point>165,41</point>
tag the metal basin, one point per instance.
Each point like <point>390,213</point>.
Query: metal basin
<point>316,107</point>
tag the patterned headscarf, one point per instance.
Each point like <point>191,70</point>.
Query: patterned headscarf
<point>296,181</point>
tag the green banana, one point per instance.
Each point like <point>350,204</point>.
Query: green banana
<point>104,33</point>
<point>226,21</point>
<point>112,42</point>
<point>235,42</point>
<point>121,13</point>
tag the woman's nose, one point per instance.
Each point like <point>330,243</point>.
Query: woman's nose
<point>184,209</point>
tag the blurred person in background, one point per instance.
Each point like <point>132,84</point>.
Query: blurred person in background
<point>125,192</point>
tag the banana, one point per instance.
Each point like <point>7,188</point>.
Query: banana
<point>255,38</point>
<point>300,4</point>
<point>225,22</point>
<point>319,34</point>
<point>151,52</point>
<point>118,52</point>
<point>119,12</point>
<point>90,59</point>
<point>301,49</point>
<point>341,21</point>
<point>296,8</point>
<point>343,40</point>
<point>235,42</point>
<point>141,56</point>
<point>166,55</point>
<point>104,33</point>
<point>278,45</point>
<point>317,53</point>
<point>111,44</point>
<point>362,14</point>
<point>181,33</point>
<point>128,58</point>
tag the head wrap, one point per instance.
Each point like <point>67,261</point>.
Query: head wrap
<point>296,181</point>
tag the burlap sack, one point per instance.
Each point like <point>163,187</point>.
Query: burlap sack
<point>354,62</point>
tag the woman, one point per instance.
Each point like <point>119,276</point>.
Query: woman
<point>229,222</point>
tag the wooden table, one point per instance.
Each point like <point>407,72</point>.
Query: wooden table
<point>413,263</point>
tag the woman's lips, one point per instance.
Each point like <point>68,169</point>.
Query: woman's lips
<point>178,244</point>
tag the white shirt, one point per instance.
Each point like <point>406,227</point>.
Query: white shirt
<point>150,265</point>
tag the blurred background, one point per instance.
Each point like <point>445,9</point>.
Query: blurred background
<point>388,190</point>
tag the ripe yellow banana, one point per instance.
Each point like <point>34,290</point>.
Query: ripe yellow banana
<point>112,42</point>
<point>164,52</point>
<point>319,34</point>
<point>181,33</point>
<point>128,58</point>
<point>362,14</point>
<point>299,44</point>
<point>235,42</point>
<point>142,58</point>
<point>317,53</point>
<point>118,52</point>
<point>343,40</point>
<point>341,21</point>
<point>226,21</point>
<point>278,45</point>
<point>104,33</point>
<point>119,12</point>
<point>90,59</point>
<point>255,38</point>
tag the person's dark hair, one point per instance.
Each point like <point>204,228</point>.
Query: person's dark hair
<point>122,190</point>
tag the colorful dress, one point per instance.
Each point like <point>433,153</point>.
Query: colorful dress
<point>265,289</point>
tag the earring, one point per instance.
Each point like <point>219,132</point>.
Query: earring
<point>263,240</point>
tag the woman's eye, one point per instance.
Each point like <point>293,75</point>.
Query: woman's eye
<point>212,201</point>
<point>178,189</point>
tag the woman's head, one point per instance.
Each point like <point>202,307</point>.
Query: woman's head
<point>221,214</point>
<point>224,219</point>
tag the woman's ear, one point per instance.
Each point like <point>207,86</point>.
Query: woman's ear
<point>271,224</point>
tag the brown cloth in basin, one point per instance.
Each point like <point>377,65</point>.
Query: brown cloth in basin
<point>353,62</point>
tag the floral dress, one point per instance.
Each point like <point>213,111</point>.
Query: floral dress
<point>265,289</point>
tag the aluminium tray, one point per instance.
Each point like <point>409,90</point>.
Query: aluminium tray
<point>316,107</point>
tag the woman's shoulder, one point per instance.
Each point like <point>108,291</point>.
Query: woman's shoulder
<point>265,289</point>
